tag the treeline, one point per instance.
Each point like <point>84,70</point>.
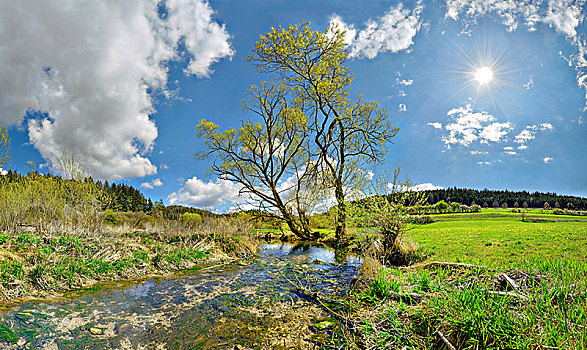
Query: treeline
<point>118,197</point>
<point>511,199</point>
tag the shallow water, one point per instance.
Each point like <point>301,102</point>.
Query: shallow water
<point>252,306</point>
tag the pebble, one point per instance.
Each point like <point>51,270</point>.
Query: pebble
<point>96,331</point>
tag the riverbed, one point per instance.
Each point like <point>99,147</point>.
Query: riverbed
<point>252,305</point>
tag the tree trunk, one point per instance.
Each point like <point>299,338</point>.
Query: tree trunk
<point>300,230</point>
<point>340,230</point>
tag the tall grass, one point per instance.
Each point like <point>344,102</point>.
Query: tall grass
<point>547,309</point>
<point>47,204</point>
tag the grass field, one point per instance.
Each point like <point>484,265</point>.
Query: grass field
<point>439,307</point>
<point>501,238</point>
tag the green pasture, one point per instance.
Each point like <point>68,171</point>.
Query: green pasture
<point>497,238</point>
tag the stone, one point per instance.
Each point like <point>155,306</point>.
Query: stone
<point>96,331</point>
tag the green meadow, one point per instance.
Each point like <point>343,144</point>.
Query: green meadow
<point>515,285</point>
<point>500,238</point>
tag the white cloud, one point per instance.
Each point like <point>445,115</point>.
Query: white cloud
<point>547,160</point>
<point>511,153</point>
<point>3,172</point>
<point>164,166</point>
<point>402,107</point>
<point>152,184</point>
<point>405,82</point>
<point>564,15</point>
<point>435,125</point>
<point>529,85</point>
<point>479,152</point>
<point>201,194</point>
<point>393,32</point>
<point>350,31</point>
<point>147,185</point>
<point>484,163</point>
<point>524,136</point>
<point>425,187</point>
<point>508,148</point>
<point>469,126</point>
<point>509,12</point>
<point>529,133</point>
<point>91,67</point>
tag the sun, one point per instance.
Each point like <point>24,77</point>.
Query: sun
<point>484,75</point>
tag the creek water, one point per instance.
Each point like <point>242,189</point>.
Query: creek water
<point>235,306</point>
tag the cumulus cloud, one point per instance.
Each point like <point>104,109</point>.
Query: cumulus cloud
<point>435,125</point>
<point>3,172</point>
<point>84,74</point>
<point>479,152</point>
<point>529,133</point>
<point>547,160</point>
<point>402,107</point>
<point>425,187</point>
<point>484,163</point>
<point>198,193</point>
<point>564,15</point>
<point>392,32</point>
<point>152,184</point>
<point>469,126</point>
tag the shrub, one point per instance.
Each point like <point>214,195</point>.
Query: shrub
<point>191,220</point>
<point>110,217</point>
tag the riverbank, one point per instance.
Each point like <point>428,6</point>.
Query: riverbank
<point>34,265</point>
<point>488,282</point>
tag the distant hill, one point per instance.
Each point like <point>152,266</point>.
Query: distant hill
<point>490,197</point>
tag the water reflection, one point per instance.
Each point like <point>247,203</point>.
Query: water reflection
<point>256,306</point>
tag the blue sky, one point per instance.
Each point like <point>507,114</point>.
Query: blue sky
<point>122,84</point>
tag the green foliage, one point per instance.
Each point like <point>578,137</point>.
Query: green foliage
<point>49,203</point>
<point>383,286</point>
<point>441,206</point>
<point>5,141</point>
<point>510,198</point>
<point>343,133</point>
<point>388,208</point>
<point>191,220</point>
<point>110,217</point>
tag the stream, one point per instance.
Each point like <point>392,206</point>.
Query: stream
<point>236,306</point>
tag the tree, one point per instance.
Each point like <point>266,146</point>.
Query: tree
<point>525,205</point>
<point>516,205</point>
<point>387,209</point>
<point>269,160</point>
<point>504,205</point>
<point>546,206</point>
<point>441,206</point>
<point>495,204</point>
<point>454,207</point>
<point>346,133</point>
<point>4,146</point>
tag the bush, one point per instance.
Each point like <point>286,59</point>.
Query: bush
<point>191,220</point>
<point>422,219</point>
<point>110,217</point>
